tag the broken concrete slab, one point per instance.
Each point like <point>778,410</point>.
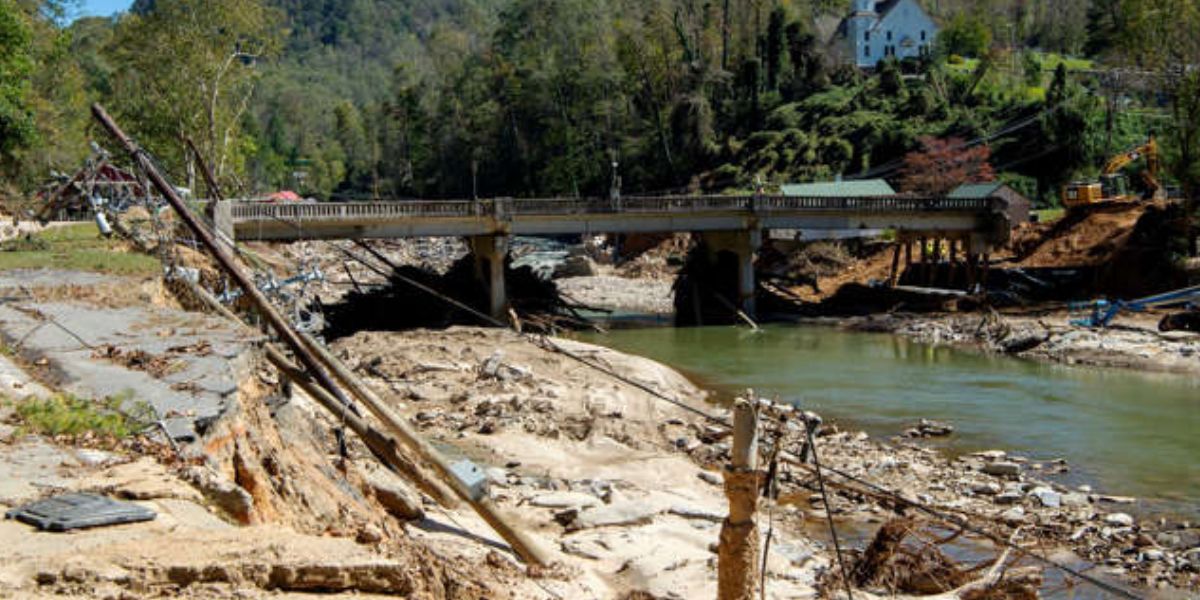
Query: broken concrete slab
<point>613,515</point>
<point>564,500</point>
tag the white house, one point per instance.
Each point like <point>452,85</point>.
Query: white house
<point>875,31</point>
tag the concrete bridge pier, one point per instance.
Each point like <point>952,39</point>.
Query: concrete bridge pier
<point>490,252</point>
<point>743,245</point>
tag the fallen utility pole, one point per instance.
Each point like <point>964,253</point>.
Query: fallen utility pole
<point>521,544</point>
<point>277,322</point>
<point>382,446</point>
<point>737,554</point>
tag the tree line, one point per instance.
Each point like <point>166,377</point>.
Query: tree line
<point>452,98</point>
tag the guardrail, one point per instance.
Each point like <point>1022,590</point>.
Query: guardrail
<point>507,208</point>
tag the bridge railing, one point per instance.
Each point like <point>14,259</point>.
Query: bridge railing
<point>507,208</point>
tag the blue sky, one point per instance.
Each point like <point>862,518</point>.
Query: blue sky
<point>103,8</point>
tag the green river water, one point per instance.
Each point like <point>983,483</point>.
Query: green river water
<point>1124,433</point>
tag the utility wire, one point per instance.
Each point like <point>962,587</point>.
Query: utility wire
<point>546,343</point>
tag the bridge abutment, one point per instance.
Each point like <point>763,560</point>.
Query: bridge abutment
<point>490,252</point>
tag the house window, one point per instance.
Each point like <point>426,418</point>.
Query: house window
<point>889,34</point>
<point>867,51</point>
<point>922,35</point>
<point>866,36</point>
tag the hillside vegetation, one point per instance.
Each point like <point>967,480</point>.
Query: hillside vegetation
<point>449,98</point>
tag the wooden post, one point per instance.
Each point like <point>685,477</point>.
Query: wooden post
<point>737,555</point>
<point>937,262</point>
<point>895,266</point>
<point>953,264</point>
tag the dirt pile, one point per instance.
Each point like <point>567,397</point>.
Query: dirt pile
<point>1129,247</point>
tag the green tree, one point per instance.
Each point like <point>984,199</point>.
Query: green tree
<point>16,64</point>
<point>774,49</point>
<point>1161,35</point>
<point>188,68</point>
<point>966,35</point>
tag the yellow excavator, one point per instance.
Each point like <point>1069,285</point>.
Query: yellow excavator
<point>1113,185</point>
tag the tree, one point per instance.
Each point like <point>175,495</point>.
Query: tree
<point>189,69</point>
<point>774,50</point>
<point>944,164</point>
<point>966,35</point>
<point>1161,35</point>
<point>16,64</point>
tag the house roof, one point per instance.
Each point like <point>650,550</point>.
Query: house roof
<point>882,8</point>
<point>976,190</point>
<point>839,189</point>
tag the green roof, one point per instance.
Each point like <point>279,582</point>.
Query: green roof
<point>839,189</point>
<point>976,190</point>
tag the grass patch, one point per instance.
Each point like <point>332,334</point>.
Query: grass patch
<point>76,247</point>
<point>71,416</point>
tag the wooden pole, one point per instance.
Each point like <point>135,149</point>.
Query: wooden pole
<point>293,339</point>
<point>737,554</point>
<point>895,266</point>
<point>381,445</point>
<point>937,262</point>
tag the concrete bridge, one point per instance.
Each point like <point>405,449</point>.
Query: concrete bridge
<point>731,224</point>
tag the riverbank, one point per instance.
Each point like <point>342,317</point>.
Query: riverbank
<point>1134,343</point>
<point>575,411</point>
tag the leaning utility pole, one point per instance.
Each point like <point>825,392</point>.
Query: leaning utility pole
<point>737,555</point>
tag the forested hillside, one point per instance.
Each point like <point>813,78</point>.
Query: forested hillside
<point>446,98</point>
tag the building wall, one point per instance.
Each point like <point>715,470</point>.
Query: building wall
<point>904,32</point>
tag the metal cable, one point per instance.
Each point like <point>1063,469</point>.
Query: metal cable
<point>546,343</point>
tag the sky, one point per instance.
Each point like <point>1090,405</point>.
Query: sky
<point>103,8</point>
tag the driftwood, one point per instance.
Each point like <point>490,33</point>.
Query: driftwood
<point>925,572</point>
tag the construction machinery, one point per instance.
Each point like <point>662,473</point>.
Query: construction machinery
<point>1101,313</point>
<point>1113,185</point>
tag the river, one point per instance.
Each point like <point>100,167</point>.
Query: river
<point>1123,432</point>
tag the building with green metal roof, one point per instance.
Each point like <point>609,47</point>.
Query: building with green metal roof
<point>839,189</point>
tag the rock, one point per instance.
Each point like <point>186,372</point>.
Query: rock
<point>1075,499</point>
<point>226,495</point>
<point>1047,497</point>
<point>986,489</point>
<point>1153,554</point>
<point>1008,497</point>
<point>1118,520</point>
<point>991,455</point>
<point>582,549</point>
<point>692,512</point>
<point>563,500</point>
<point>1087,489</point>
<point>710,477</point>
<point>369,535</point>
<point>613,515</point>
<point>1116,499</point>
<point>94,458</point>
<point>575,266</point>
<point>928,428</point>
<point>497,476</point>
<point>1013,515</point>
<point>395,495</point>
<point>1002,469</point>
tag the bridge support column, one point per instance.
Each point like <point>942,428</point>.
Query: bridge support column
<point>222,216</point>
<point>744,245</point>
<point>490,252</point>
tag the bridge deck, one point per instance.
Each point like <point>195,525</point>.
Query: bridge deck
<point>626,215</point>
